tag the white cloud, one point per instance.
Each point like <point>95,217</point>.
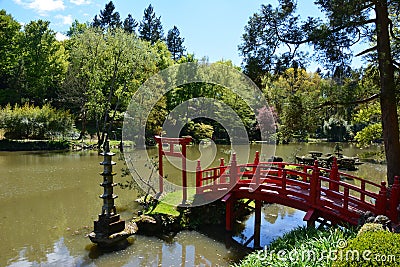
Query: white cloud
<point>80,2</point>
<point>66,20</point>
<point>42,6</point>
<point>61,37</point>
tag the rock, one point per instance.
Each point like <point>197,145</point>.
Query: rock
<point>384,221</point>
<point>114,239</point>
<point>366,217</point>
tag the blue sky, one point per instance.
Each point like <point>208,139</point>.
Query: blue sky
<point>210,28</point>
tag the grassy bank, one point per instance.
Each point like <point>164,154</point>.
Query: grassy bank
<point>300,247</point>
<point>30,145</point>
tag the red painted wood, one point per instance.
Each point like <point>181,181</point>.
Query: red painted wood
<point>334,175</point>
<point>394,200</point>
<point>184,141</point>
<point>334,199</point>
<point>198,177</point>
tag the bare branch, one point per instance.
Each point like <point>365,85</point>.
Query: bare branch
<point>357,102</point>
<point>366,51</point>
<point>338,29</point>
<point>396,65</point>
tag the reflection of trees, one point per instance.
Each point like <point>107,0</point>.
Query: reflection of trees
<point>273,211</point>
<point>59,254</point>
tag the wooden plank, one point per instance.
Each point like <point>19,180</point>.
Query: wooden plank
<point>309,215</point>
<point>226,197</point>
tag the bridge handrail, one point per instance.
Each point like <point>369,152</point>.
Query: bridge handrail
<point>276,176</point>
<point>276,165</point>
<point>352,187</point>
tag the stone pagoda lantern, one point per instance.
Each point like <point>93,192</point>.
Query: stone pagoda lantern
<point>109,229</point>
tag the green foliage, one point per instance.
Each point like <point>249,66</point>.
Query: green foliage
<point>32,62</point>
<point>9,55</point>
<point>30,122</point>
<point>105,71</point>
<point>336,129</point>
<point>199,131</point>
<point>108,18</point>
<point>44,62</point>
<point>368,117</point>
<point>370,227</point>
<point>301,247</point>
<point>29,145</point>
<point>369,134</point>
<point>150,28</point>
<point>371,248</point>
<point>175,43</point>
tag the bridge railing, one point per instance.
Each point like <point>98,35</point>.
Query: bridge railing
<point>318,186</point>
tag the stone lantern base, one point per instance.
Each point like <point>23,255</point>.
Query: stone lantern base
<point>109,231</point>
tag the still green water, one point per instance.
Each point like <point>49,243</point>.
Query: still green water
<point>49,201</point>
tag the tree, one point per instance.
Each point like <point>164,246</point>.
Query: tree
<point>347,23</point>
<point>105,71</point>
<point>44,63</point>
<point>175,44</point>
<point>108,18</point>
<point>77,28</point>
<point>150,28</point>
<point>9,58</point>
<point>130,24</point>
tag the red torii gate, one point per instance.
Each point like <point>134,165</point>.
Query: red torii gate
<point>183,141</point>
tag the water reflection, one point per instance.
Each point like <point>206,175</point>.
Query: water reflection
<point>275,221</point>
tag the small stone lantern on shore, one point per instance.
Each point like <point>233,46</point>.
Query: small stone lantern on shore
<point>109,229</point>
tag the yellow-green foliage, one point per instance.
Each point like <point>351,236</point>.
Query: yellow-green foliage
<point>371,248</point>
<point>370,227</point>
<point>30,122</point>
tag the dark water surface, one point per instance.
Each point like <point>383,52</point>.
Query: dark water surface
<point>49,201</point>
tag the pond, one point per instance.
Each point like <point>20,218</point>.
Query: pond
<point>49,201</point>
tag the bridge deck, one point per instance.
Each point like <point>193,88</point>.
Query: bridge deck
<point>302,187</point>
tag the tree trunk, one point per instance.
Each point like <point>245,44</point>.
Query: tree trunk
<point>390,122</point>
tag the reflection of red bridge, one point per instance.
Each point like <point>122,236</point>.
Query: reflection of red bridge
<point>320,192</point>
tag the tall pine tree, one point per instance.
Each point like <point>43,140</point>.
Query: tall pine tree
<point>130,24</point>
<point>175,43</point>
<point>150,28</point>
<point>108,18</point>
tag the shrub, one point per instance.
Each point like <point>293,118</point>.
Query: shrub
<point>370,227</point>
<point>30,122</point>
<point>300,247</point>
<point>376,248</point>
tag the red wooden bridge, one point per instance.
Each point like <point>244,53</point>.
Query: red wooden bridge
<point>320,192</point>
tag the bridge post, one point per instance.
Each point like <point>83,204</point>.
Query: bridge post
<point>305,169</point>
<point>257,224</point>
<point>160,165</point>
<point>184,172</point>
<point>256,160</point>
<point>233,171</point>
<point>394,200</point>
<point>280,168</point>
<point>229,213</point>
<point>334,176</point>
<point>314,183</point>
<point>222,170</point>
<point>284,182</point>
<point>380,205</point>
<point>198,177</point>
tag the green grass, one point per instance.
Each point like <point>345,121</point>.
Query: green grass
<point>306,247</point>
<point>170,201</point>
